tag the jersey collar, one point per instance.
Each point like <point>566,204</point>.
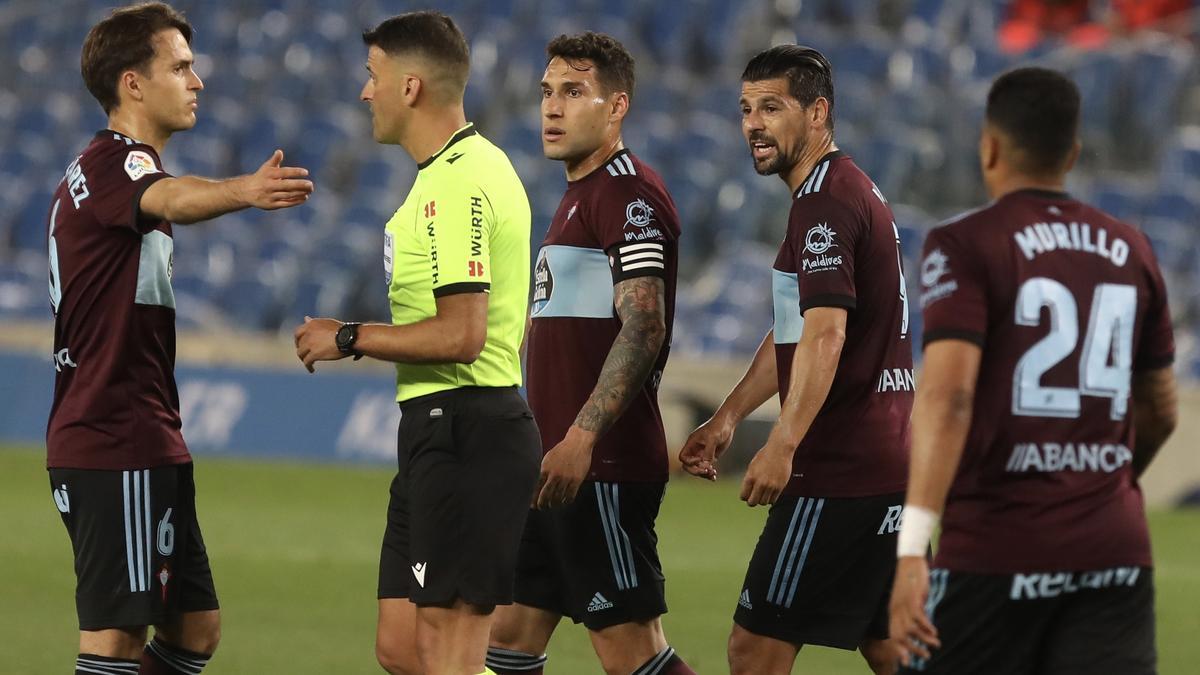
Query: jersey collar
<point>599,169</point>
<point>831,155</point>
<point>1042,193</point>
<point>462,133</point>
<point>109,134</point>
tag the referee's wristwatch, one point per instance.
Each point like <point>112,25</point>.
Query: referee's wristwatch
<point>346,337</point>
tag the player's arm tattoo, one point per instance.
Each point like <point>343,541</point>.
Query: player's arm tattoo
<point>641,305</point>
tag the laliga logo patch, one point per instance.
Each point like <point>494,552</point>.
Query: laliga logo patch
<point>819,239</point>
<point>138,164</point>
<point>638,213</point>
<point>934,267</point>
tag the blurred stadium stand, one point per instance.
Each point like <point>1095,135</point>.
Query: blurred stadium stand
<point>910,75</point>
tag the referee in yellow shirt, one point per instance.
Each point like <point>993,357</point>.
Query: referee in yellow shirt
<point>456,257</point>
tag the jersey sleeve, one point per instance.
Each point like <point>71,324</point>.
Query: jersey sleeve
<point>1156,348</point>
<point>953,291</point>
<point>458,223</point>
<point>122,175</point>
<point>627,220</point>
<point>825,235</point>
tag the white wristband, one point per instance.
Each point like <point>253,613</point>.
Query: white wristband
<point>916,529</point>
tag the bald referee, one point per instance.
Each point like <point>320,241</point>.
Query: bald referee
<point>457,264</point>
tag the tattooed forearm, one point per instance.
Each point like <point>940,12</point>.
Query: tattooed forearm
<point>641,305</point>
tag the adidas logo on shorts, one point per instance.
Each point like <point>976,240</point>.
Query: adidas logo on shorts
<point>744,599</point>
<point>599,602</point>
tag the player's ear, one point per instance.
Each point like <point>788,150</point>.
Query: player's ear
<point>989,149</point>
<point>131,83</point>
<point>1076,148</point>
<point>819,113</point>
<point>412,89</point>
<point>620,106</point>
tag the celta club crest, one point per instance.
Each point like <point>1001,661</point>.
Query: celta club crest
<point>164,577</point>
<point>934,267</point>
<point>819,239</point>
<point>638,213</point>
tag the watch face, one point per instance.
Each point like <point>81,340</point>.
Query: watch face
<point>344,336</point>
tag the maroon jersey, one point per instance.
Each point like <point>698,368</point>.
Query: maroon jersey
<point>115,402</point>
<point>1066,303</point>
<point>842,250</point>
<point>616,223</point>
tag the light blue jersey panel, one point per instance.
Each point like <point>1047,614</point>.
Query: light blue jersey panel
<point>154,270</point>
<point>789,323</point>
<point>570,281</point>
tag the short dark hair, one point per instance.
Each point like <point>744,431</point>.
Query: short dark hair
<point>1038,109</point>
<point>124,41</point>
<point>613,63</point>
<point>430,34</point>
<point>808,72</point>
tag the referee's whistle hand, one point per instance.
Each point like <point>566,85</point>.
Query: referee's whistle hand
<point>315,342</point>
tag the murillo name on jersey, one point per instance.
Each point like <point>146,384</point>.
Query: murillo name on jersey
<point>1066,304</point>
<point>614,224</point>
<point>842,250</point>
<point>1041,238</point>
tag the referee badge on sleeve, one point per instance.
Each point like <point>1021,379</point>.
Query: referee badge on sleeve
<point>387,257</point>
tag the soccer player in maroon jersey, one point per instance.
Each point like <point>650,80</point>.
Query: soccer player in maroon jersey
<point>1048,342</point>
<point>603,305</point>
<point>119,470</point>
<point>839,356</point>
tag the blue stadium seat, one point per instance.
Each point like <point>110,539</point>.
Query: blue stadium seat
<point>909,105</point>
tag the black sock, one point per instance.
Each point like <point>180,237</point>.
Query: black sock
<point>666,662</point>
<point>160,658</point>
<point>90,664</point>
<point>512,662</point>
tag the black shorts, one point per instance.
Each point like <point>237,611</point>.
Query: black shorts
<point>595,560</point>
<point>1056,623</point>
<point>468,462</point>
<point>139,555</point>
<point>822,571</point>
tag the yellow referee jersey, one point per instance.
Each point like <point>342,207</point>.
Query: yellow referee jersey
<point>464,228</point>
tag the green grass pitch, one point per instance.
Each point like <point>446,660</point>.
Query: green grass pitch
<point>295,549</point>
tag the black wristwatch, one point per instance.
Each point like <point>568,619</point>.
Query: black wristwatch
<point>346,336</point>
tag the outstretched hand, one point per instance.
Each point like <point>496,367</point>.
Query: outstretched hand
<point>274,186</point>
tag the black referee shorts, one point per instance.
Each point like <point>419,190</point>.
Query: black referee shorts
<point>468,463</point>
<point>139,555</point>
<point>1099,622</point>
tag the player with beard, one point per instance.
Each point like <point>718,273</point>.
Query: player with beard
<point>604,300</point>
<point>839,356</point>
